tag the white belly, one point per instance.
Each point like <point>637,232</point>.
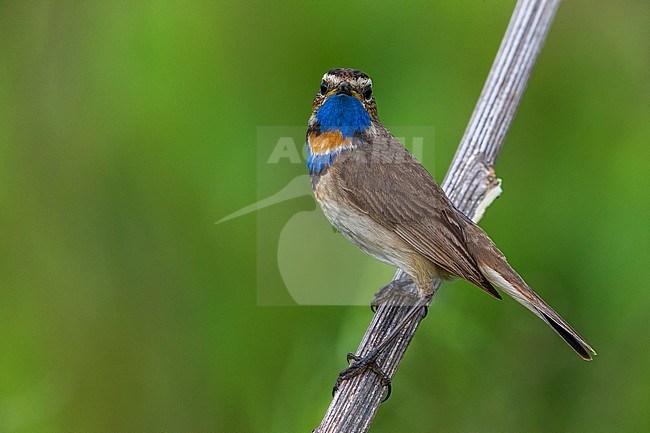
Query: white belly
<point>363,231</point>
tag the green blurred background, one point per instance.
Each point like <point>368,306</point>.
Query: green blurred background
<point>128,128</point>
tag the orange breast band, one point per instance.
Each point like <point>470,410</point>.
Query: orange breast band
<point>327,142</point>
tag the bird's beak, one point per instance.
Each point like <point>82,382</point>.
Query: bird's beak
<point>344,88</point>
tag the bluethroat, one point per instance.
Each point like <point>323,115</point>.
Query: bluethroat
<point>382,199</point>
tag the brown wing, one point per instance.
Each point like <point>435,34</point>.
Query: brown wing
<point>391,187</point>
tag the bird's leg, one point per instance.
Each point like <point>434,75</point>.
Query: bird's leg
<point>360,364</point>
<point>399,287</point>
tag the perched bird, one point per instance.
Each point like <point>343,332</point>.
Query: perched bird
<point>374,192</point>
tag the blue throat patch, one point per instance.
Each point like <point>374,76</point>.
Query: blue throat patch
<point>317,162</point>
<point>343,113</point>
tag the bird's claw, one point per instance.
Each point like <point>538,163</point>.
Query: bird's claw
<point>396,289</point>
<point>358,365</point>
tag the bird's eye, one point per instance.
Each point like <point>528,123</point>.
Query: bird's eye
<point>367,93</point>
<point>323,88</point>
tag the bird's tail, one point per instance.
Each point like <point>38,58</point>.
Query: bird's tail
<point>506,279</point>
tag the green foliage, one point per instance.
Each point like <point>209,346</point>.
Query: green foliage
<point>128,128</point>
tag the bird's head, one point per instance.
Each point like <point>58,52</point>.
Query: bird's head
<point>344,103</point>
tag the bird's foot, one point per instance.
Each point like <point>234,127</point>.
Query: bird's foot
<point>359,365</point>
<point>403,290</point>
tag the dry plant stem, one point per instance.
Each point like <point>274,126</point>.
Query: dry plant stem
<point>471,185</point>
